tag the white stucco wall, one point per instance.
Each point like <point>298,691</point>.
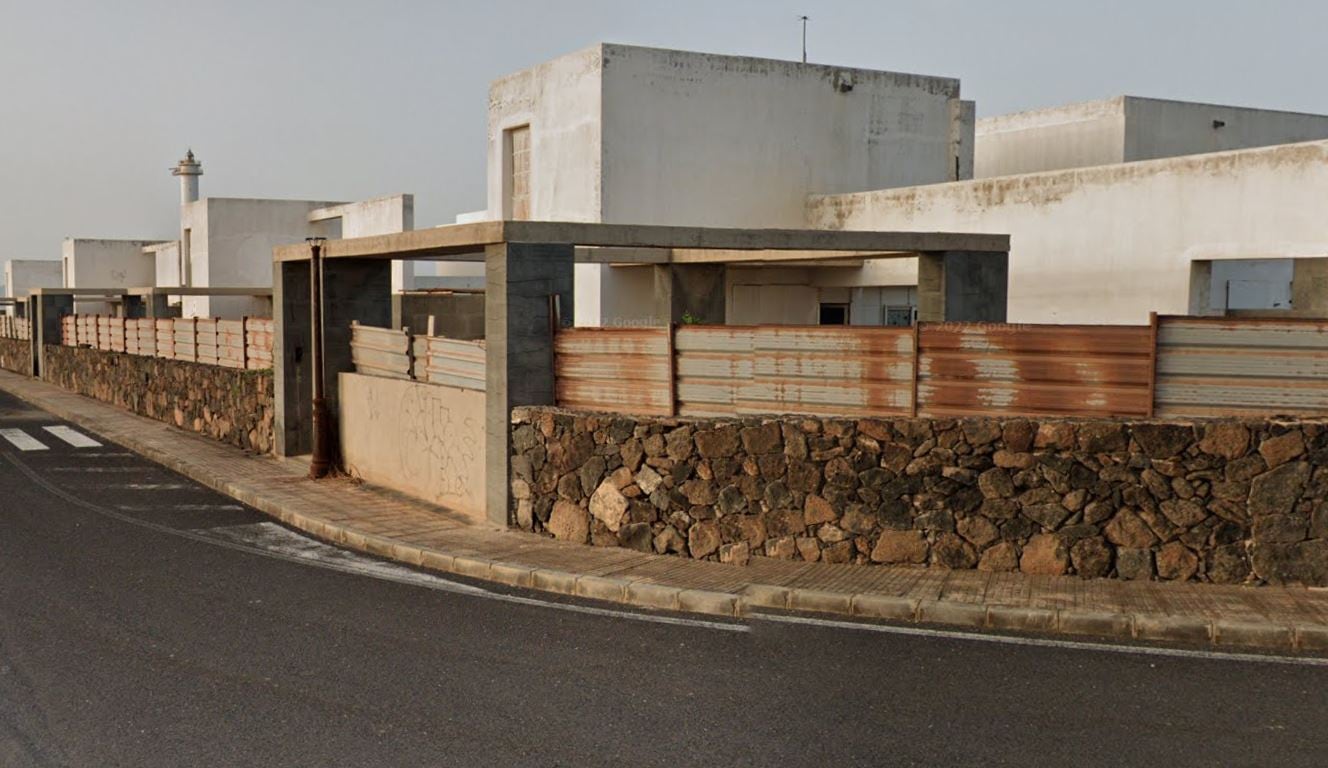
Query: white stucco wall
<point>1070,136</point>
<point>22,275</point>
<point>231,247</point>
<point>377,216</point>
<point>561,102</point>
<point>709,140</point>
<point>1108,244</point>
<point>100,263</point>
<point>624,134</point>
<point>1128,128</point>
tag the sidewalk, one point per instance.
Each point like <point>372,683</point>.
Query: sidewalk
<point>385,524</point>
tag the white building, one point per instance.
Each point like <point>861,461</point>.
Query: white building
<point>23,275</point>
<point>1196,234</point>
<point>1127,129</point>
<point>227,243</point>
<point>621,134</point>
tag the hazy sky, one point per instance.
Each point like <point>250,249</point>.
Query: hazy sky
<point>348,100</point>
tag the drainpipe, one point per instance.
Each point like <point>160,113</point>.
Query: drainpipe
<point>321,459</point>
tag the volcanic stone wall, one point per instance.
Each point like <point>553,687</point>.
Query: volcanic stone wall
<point>226,404</point>
<point>1220,501</point>
<point>16,356</point>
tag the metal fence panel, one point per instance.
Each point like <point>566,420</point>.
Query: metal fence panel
<point>614,369</point>
<point>973,369</point>
<point>1245,367</point>
<point>380,351</point>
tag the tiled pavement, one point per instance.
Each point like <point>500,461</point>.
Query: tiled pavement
<point>388,525</point>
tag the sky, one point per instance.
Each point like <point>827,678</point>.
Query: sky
<point>351,100</point>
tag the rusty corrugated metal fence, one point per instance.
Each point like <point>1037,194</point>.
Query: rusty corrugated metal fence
<point>1175,366</point>
<point>826,370</point>
<point>975,369</point>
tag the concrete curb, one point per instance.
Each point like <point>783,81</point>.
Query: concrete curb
<point>640,593</point>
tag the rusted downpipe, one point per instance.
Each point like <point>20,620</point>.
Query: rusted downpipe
<point>321,459</point>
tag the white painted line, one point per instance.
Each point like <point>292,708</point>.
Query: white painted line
<point>275,540</point>
<point>1043,642</point>
<point>152,487</point>
<point>22,440</point>
<point>73,438</point>
<point>102,470</point>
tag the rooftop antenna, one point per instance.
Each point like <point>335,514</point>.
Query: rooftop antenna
<point>804,19</point>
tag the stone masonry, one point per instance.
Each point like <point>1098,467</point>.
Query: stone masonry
<point>226,404</point>
<point>1217,501</point>
<point>16,356</point>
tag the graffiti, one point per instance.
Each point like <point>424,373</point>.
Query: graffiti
<point>433,441</point>
<point>439,442</point>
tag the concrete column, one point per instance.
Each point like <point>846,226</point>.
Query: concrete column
<point>151,305</point>
<point>353,290</point>
<point>962,286</point>
<point>520,278</point>
<point>292,385</point>
<point>47,311</point>
<point>693,291</point>
<point>1309,287</point>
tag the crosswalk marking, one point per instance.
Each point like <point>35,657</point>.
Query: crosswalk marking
<point>22,440</point>
<point>73,438</point>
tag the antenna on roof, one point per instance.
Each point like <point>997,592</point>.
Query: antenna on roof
<point>804,19</point>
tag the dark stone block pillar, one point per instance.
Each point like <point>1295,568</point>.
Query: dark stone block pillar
<point>960,286</point>
<point>520,279</point>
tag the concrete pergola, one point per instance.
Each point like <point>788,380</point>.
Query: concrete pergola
<point>528,291</point>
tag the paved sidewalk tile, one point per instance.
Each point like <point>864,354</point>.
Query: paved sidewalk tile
<point>393,526</point>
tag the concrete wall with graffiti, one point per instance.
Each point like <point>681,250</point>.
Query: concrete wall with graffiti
<point>424,440</point>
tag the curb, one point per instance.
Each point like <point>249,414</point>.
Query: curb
<point>642,593</point>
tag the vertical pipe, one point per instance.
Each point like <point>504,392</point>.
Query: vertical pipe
<point>320,461</point>
<point>1152,364</point>
<point>917,355</point>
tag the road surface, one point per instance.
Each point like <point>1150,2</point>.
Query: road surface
<point>147,621</point>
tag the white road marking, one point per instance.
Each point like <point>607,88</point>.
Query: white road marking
<point>75,439</point>
<point>102,470</point>
<point>1043,642</point>
<point>152,487</point>
<point>22,440</point>
<point>289,545</point>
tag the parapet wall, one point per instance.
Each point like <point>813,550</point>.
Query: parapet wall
<point>226,404</point>
<point>1217,501</point>
<point>16,356</point>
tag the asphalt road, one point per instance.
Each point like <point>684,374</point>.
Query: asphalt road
<point>146,621</point>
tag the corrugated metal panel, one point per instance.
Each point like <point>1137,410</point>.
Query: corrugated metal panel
<point>380,351</point>
<point>451,361</point>
<point>1246,367</point>
<point>829,370</point>
<point>980,369</point>
<point>614,369</point>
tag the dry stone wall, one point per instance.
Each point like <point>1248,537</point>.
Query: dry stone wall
<point>1220,501</point>
<point>16,356</point>
<point>230,405</point>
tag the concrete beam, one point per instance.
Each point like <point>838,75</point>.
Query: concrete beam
<point>461,239</point>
